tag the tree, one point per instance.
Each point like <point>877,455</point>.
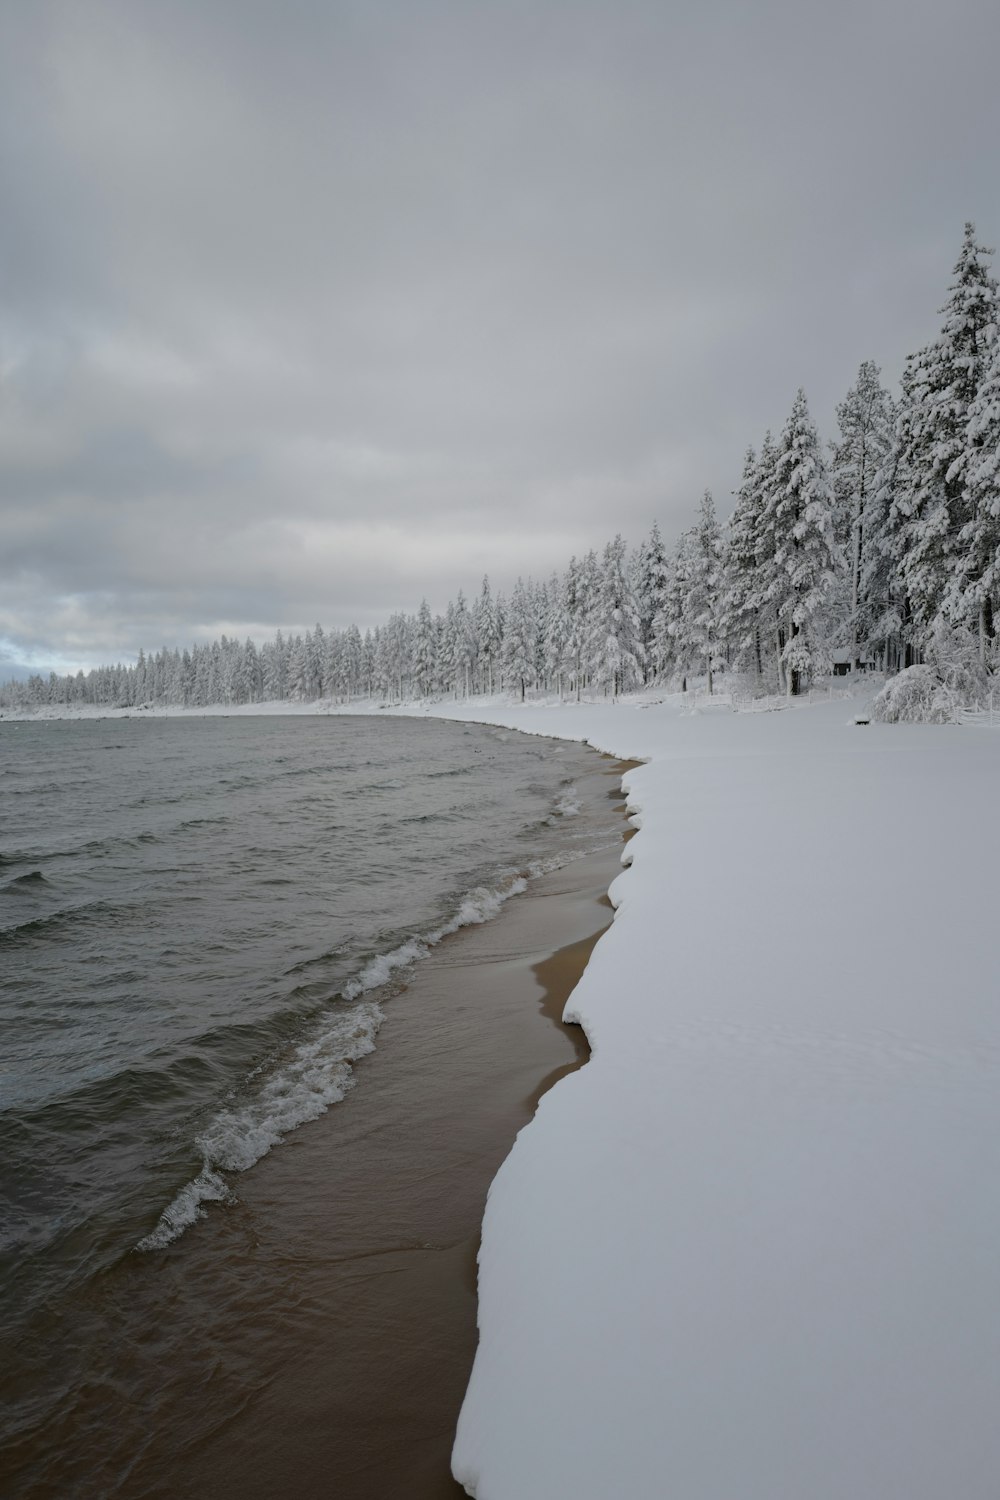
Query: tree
<point>616,645</point>
<point>860,459</point>
<point>741,583</point>
<point>425,651</point>
<point>798,534</point>
<point>940,551</point>
<point>487,634</point>
<point>702,604</point>
<point>519,639</point>
<point>650,578</point>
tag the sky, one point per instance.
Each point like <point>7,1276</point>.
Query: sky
<point>311,309</point>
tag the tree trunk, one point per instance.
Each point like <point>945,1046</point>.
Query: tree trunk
<point>855,594</point>
<point>986,630</point>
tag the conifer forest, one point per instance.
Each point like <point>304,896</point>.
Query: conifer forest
<point>876,550</point>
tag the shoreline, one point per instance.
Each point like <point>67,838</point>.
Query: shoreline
<point>330,1314</point>
<point>369,1405</point>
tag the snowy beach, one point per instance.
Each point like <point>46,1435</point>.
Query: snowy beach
<point>751,1248</point>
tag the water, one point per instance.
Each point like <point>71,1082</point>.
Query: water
<point>200,924</point>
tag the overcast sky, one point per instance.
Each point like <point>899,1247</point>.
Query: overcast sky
<point>309,309</point>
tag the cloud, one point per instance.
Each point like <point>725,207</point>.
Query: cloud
<point>310,311</point>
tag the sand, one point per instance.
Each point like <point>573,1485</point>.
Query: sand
<point>315,1339</point>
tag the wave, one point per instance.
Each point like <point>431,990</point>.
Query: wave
<point>319,1072</point>
<point>568,804</point>
<point>66,919</point>
<point>301,1089</point>
<point>276,1098</point>
<point>24,882</point>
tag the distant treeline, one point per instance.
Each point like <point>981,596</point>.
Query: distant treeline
<point>882,549</point>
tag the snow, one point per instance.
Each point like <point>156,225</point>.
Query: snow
<point>751,1249</point>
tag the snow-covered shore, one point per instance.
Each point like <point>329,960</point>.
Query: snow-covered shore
<point>751,1249</point>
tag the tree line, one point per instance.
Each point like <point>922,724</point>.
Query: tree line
<point>879,549</point>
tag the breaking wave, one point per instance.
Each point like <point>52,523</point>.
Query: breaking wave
<point>320,1071</point>
<point>303,1088</point>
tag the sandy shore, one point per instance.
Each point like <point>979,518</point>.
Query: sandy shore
<point>338,1298</point>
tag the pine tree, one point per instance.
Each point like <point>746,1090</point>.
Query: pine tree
<point>466,645</point>
<point>519,639</point>
<point>975,589</point>
<point>555,634</point>
<point>798,525</point>
<point>487,636</point>
<point>573,614</point>
<point>666,652</point>
<point>860,460</point>
<point>933,506</point>
<point>703,602</point>
<point>741,598</point>
<point>650,577</point>
<point>616,645</point>
<point>352,659</point>
<point>425,651</point>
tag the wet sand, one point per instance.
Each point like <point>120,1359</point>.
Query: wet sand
<point>315,1339</point>
<point>375,1213</point>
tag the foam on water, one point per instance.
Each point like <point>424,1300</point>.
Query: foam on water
<point>319,1073</point>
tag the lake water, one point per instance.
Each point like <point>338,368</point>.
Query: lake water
<point>201,921</point>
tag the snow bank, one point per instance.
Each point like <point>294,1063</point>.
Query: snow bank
<point>751,1249</point>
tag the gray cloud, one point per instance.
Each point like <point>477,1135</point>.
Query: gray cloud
<point>310,310</point>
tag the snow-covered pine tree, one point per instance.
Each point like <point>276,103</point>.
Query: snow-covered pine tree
<point>650,576</point>
<point>368,651</point>
<point>588,604</point>
<point>573,646</point>
<point>519,639</point>
<point>351,659</point>
<point>974,594</point>
<point>702,607</point>
<point>616,646</point>
<point>882,592</point>
<point>933,507</point>
<point>315,644</point>
<point>248,680</point>
<point>337,666</point>
<point>486,635</point>
<point>296,680</point>
<point>500,611</point>
<point>398,654</point>
<point>466,645</point>
<point>740,593</point>
<point>861,458</point>
<point>381,668</point>
<point>666,661</point>
<point>424,651</point>
<point>448,651</point>
<point>798,534</point>
<point>555,633</point>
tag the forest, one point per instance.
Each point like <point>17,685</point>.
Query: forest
<point>876,550</point>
